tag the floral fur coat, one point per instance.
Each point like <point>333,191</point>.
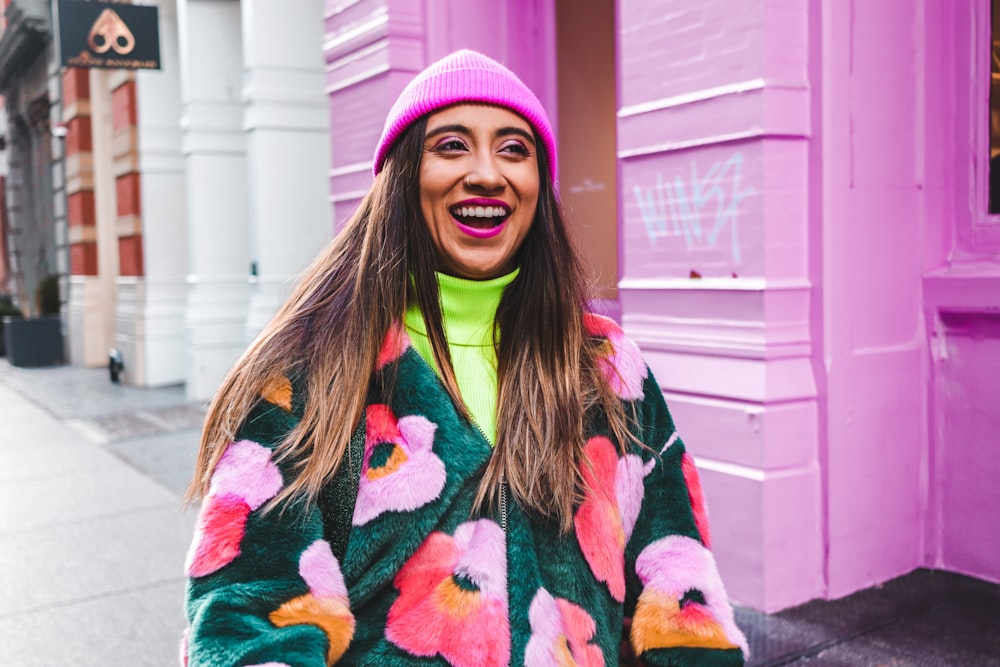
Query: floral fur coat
<point>422,581</point>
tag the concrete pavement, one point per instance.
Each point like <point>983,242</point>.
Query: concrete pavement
<point>92,535</point>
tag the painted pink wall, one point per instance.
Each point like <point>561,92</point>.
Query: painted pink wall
<point>714,150</point>
<point>961,298</point>
<point>873,343</point>
<point>911,288</point>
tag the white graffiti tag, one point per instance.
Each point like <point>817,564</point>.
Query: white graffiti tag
<point>676,203</point>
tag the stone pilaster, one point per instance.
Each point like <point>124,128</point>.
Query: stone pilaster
<point>288,146</point>
<point>214,149</point>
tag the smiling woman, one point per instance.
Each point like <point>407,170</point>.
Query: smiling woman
<point>435,410</point>
<point>478,188</point>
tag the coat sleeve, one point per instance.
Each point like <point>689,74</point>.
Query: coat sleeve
<point>264,588</point>
<point>680,613</point>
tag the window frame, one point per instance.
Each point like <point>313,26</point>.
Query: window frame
<point>979,233</point>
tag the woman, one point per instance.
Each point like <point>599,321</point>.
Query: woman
<point>434,454</point>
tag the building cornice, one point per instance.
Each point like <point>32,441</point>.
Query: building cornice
<point>29,29</point>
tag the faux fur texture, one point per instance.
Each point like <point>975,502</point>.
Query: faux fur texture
<point>670,569</point>
<point>321,571</point>
<point>278,391</point>
<point>622,362</point>
<point>393,345</point>
<point>629,489</point>
<point>598,521</point>
<point>221,525</point>
<point>410,477</point>
<point>328,614</point>
<point>669,443</point>
<point>697,498</point>
<point>560,634</point>
<point>452,598</point>
<point>428,582</point>
<point>245,470</point>
<point>326,605</point>
<point>244,479</point>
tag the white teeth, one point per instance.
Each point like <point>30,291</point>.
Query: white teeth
<point>481,211</point>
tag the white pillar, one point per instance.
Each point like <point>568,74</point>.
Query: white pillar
<point>151,307</point>
<point>214,148</point>
<point>93,300</point>
<point>287,121</point>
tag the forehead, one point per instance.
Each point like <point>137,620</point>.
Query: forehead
<point>477,117</point>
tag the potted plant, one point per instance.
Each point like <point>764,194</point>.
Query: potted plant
<point>37,341</point>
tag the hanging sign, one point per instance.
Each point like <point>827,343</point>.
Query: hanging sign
<point>110,35</point>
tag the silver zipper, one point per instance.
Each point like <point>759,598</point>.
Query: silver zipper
<point>503,481</point>
<point>503,503</point>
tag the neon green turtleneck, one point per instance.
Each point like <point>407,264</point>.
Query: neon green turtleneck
<point>468,308</point>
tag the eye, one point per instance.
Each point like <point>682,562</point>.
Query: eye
<point>450,145</point>
<point>515,148</point>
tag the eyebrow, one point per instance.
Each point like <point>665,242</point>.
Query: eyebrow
<point>462,129</point>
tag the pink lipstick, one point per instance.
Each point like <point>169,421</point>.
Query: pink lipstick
<point>480,218</point>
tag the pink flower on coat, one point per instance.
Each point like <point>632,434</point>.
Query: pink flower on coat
<point>683,602</point>
<point>219,532</point>
<point>598,521</point>
<point>400,472</point>
<point>620,358</point>
<point>244,479</point>
<point>245,470</point>
<point>453,598</point>
<point>630,489</point>
<point>560,634</point>
<point>697,498</point>
<point>326,605</point>
<point>393,345</point>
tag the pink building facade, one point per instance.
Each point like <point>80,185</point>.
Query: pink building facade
<point>786,205</point>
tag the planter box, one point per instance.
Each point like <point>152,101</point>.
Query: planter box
<point>33,342</point>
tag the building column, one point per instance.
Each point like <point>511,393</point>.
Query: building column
<point>214,148</point>
<point>288,146</point>
<point>151,229</point>
<point>716,287</point>
<point>93,294</point>
<point>87,337</point>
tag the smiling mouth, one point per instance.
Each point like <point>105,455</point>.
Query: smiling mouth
<point>480,217</point>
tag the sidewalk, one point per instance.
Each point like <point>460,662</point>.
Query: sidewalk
<point>92,537</point>
<point>92,545</point>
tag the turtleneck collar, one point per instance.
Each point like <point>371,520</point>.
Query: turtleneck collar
<point>468,309</point>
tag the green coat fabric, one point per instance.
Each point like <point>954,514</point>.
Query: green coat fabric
<point>422,580</point>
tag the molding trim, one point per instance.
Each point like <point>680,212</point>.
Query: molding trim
<point>705,94</point>
<point>128,226</point>
<point>27,35</point>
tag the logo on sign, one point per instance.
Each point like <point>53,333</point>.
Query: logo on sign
<point>110,32</point>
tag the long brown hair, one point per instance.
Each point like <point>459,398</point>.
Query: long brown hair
<point>332,326</point>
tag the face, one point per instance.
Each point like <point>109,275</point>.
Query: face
<point>478,188</point>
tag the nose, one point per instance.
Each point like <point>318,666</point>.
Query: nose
<point>484,173</point>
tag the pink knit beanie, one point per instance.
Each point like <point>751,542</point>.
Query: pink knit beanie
<point>464,76</point>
